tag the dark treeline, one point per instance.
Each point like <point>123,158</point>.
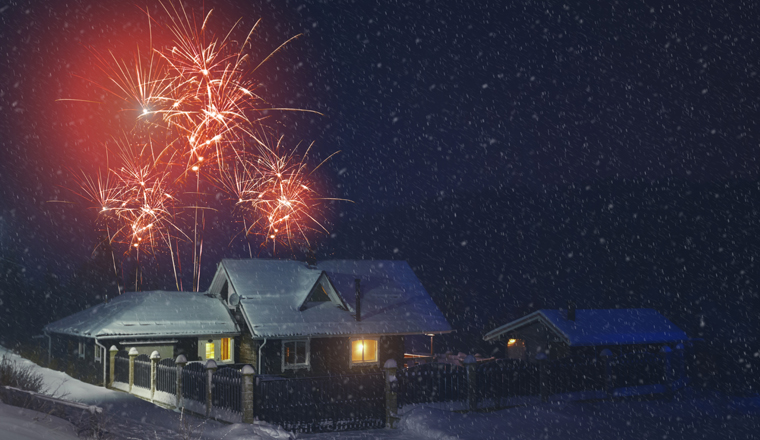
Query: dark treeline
<point>28,301</point>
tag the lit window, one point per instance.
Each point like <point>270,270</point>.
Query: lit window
<point>511,342</point>
<point>363,351</point>
<point>295,354</point>
<point>209,350</point>
<point>226,345</point>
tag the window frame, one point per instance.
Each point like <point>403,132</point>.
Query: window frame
<point>306,365</point>
<point>98,354</point>
<point>363,363</point>
<point>81,349</point>
<point>225,347</point>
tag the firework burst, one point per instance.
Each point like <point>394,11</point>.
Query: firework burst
<point>196,109</point>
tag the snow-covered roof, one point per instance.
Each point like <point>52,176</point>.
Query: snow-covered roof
<point>272,295</point>
<point>600,326</point>
<point>147,314</point>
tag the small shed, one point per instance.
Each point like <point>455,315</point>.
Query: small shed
<point>561,333</point>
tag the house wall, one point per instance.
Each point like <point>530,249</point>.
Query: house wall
<point>538,338</point>
<point>331,356</point>
<point>65,357</point>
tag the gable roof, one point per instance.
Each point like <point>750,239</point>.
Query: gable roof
<point>600,326</point>
<point>272,293</point>
<point>153,313</point>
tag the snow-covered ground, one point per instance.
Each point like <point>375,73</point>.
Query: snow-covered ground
<point>691,415</point>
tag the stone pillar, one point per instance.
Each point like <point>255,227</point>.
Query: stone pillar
<point>132,355</point>
<point>667,373</point>
<point>210,370</point>
<point>154,358</point>
<point>248,373</point>
<point>543,376</point>
<point>180,363</point>
<point>391,393</point>
<point>609,383</point>
<point>471,367</point>
<point>112,365</point>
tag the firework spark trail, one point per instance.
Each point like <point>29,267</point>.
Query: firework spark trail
<point>198,123</point>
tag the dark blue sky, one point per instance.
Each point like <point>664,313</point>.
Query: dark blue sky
<point>422,98</point>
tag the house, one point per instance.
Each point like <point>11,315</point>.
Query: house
<point>194,324</point>
<point>283,317</point>
<point>562,333</point>
<point>333,317</point>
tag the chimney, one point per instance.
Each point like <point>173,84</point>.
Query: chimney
<point>570,311</point>
<point>357,281</point>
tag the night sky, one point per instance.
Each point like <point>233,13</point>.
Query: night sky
<point>517,154</point>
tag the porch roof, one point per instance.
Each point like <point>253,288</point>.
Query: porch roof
<point>147,314</point>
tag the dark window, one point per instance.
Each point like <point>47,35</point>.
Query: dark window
<point>295,354</point>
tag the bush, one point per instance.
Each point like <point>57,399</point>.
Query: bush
<point>17,376</point>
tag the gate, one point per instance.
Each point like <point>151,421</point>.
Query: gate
<point>330,403</point>
<point>227,389</point>
<point>432,382</point>
<point>121,367</point>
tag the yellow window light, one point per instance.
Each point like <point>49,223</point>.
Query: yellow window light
<point>209,350</point>
<point>511,342</point>
<point>364,351</point>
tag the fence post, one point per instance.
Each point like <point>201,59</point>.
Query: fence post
<point>154,358</point>
<point>210,370</point>
<point>111,366</point>
<point>543,375</point>
<point>666,353</point>
<point>132,355</point>
<point>606,355</point>
<point>248,373</point>
<point>471,366</point>
<point>180,363</point>
<point>391,396</point>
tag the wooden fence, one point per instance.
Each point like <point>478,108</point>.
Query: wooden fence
<point>329,403</point>
<point>226,390</point>
<point>433,382</point>
<point>505,379</point>
<point>166,376</point>
<point>369,400</point>
<point>142,374</point>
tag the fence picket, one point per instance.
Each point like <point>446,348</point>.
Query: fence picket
<point>121,367</point>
